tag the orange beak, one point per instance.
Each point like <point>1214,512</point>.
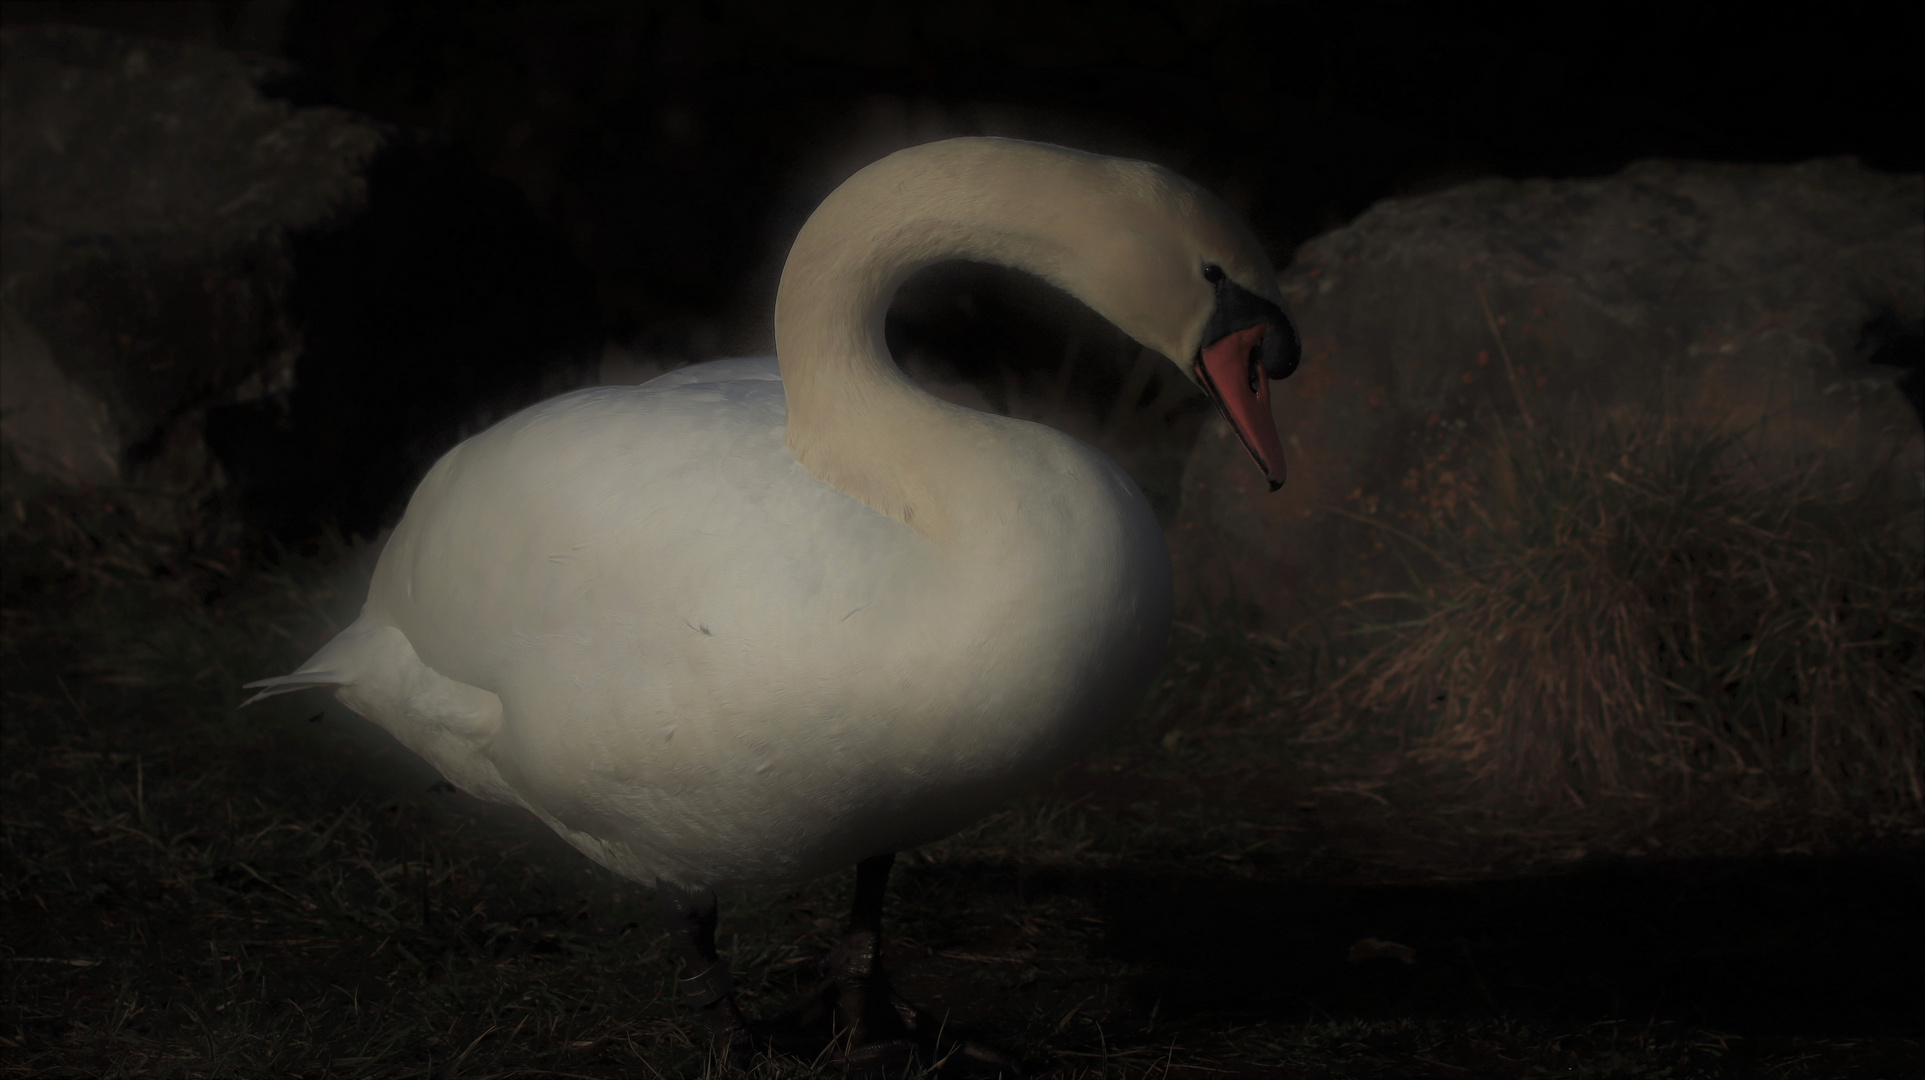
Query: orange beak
<point>1232,374</point>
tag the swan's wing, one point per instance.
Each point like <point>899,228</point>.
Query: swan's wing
<point>735,369</point>
<point>662,613</point>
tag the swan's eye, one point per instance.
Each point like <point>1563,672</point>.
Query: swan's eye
<point>1212,273</point>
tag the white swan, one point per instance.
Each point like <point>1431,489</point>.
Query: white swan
<point>755,620</point>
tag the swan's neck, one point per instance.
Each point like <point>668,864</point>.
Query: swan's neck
<point>1072,219</point>
<point>1122,236</point>
<point>854,420</point>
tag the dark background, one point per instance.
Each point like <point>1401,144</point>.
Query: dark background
<point>678,146</point>
<point>570,175</point>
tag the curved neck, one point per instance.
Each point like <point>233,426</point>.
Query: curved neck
<point>854,420</point>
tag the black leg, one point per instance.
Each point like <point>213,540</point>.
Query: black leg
<point>854,1014</point>
<point>704,978</point>
<point>866,1011</point>
<point>879,1030</point>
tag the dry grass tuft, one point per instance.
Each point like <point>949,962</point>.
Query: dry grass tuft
<point>1633,609</point>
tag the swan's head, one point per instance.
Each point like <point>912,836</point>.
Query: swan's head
<point>1246,342</point>
<point>1172,266</point>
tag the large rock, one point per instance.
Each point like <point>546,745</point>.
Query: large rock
<point>215,301</point>
<point>148,190</point>
<point>1766,301</point>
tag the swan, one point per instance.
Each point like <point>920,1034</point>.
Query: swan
<point>759,619</point>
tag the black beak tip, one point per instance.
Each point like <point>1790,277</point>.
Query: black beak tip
<point>1275,484</point>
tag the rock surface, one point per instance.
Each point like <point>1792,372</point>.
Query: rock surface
<point>1767,301</point>
<point>147,190</point>
<point>228,308</point>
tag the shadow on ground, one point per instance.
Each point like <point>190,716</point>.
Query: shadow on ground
<point>1772,946</point>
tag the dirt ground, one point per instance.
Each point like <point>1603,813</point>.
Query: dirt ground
<point>194,891</point>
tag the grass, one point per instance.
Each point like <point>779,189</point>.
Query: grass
<point>1630,610</point>
<point>191,891</point>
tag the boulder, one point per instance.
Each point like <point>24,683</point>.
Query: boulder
<point>1780,304</point>
<point>228,309</point>
<point>148,190</point>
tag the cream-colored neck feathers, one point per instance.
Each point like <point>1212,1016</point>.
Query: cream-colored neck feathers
<point>1124,237</point>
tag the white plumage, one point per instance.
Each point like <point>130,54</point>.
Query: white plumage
<point>749,623</point>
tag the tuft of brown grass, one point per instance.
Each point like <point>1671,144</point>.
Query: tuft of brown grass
<point>1633,608</point>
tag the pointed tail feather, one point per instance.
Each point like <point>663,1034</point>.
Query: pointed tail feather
<point>283,684</point>
<point>336,664</point>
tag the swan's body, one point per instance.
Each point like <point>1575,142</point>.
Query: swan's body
<point>741,624</point>
<point>644,621</point>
